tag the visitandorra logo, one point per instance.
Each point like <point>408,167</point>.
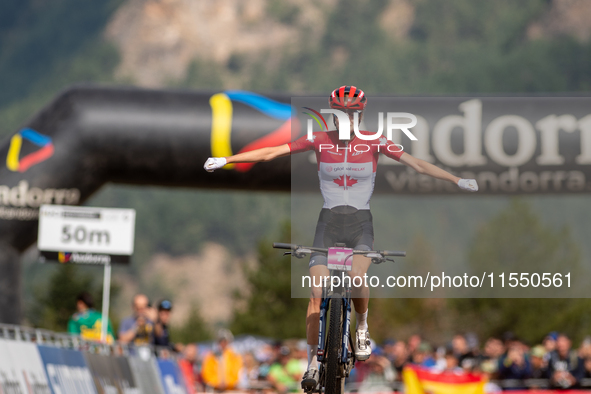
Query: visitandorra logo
<point>64,257</point>
<point>21,164</point>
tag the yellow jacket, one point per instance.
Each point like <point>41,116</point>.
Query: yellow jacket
<point>222,372</point>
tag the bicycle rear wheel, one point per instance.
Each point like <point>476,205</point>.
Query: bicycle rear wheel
<point>335,382</point>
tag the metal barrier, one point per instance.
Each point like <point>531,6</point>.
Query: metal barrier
<point>75,342</point>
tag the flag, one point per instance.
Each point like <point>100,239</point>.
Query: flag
<point>419,380</point>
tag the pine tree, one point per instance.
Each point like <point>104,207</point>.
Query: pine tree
<point>270,310</point>
<point>517,241</point>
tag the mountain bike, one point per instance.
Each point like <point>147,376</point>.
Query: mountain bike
<point>336,356</point>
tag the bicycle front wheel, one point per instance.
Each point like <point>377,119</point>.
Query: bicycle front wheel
<point>335,381</point>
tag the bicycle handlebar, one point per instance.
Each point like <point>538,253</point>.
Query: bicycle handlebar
<point>385,253</point>
<point>280,245</point>
<point>392,253</point>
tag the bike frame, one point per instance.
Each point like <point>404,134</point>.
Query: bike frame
<point>343,292</point>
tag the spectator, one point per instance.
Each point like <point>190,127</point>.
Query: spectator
<point>549,343</point>
<point>221,367</point>
<point>286,372</point>
<point>451,362</point>
<point>587,373</point>
<point>161,331</point>
<point>389,349</point>
<point>379,375</point>
<point>462,351</point>
<point>139,328</point>
<point>401,357</point>
<point>87,322</point>
<point>489,359</point>
<point>539,366</point>
<point>487,370</point>
<point>585,349</point>
<point>249,375</point>
<point>413,343</point>
<point>565,367</point>
<point>423,356</point>
<point>189,366</point>
<point>514,365</point>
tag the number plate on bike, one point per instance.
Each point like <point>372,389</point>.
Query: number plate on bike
<point>340,259</point>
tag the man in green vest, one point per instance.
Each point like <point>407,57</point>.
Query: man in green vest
<point>87,321</point>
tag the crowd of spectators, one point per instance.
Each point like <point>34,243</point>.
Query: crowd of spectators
<point>507,362</point>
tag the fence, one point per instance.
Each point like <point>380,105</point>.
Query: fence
<point>36,361</point>
<point>42,362</point>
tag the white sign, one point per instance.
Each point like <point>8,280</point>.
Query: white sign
<point>66,229</point>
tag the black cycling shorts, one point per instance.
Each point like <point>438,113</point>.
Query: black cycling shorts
<point>342,224</point>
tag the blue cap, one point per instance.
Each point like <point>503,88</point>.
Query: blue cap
<point>553,335</point>
<point>165,305</point>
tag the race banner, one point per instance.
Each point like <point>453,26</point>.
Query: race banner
<point>66,371</point>
<point>171,377</point>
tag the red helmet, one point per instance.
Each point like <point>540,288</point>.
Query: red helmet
<point>347,97</point>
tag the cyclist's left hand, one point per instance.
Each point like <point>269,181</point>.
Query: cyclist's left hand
<point>468,184</point>
<point>214,163</point>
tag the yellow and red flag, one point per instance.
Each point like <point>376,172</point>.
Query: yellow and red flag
<point>418,380</point>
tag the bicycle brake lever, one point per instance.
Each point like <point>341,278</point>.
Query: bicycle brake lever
<point>286,253</point>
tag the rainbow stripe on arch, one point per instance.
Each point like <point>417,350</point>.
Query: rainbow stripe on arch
<point>17,164</point>
<point>221,125</point>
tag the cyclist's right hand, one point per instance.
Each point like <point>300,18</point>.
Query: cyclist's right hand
<point>214,163</point>
<point>468,184</point>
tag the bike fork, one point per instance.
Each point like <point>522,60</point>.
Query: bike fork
<point>322,331</point>
<point>345,330</point>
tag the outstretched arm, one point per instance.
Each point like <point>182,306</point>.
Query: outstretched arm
<point>253,156</point>
<point>423,167</point>
<point>258,155</point>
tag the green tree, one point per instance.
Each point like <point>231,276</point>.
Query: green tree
<point>517,241</point>
<point>402,317</point>
<point>194,329</point>
<point>269,309</point>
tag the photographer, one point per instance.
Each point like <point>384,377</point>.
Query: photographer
<point>139,328</point>
<point>161,327</point>
<point>565,367</point>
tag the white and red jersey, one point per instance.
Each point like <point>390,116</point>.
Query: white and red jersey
<point>347,169</point>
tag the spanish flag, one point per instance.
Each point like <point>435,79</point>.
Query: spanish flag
<point>418,380</point>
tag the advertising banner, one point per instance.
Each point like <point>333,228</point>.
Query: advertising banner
<point>67,371</point>
<point>146,374</point>
<point>21,368</point>
<point>111,375</point>
<point>171,377</point>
